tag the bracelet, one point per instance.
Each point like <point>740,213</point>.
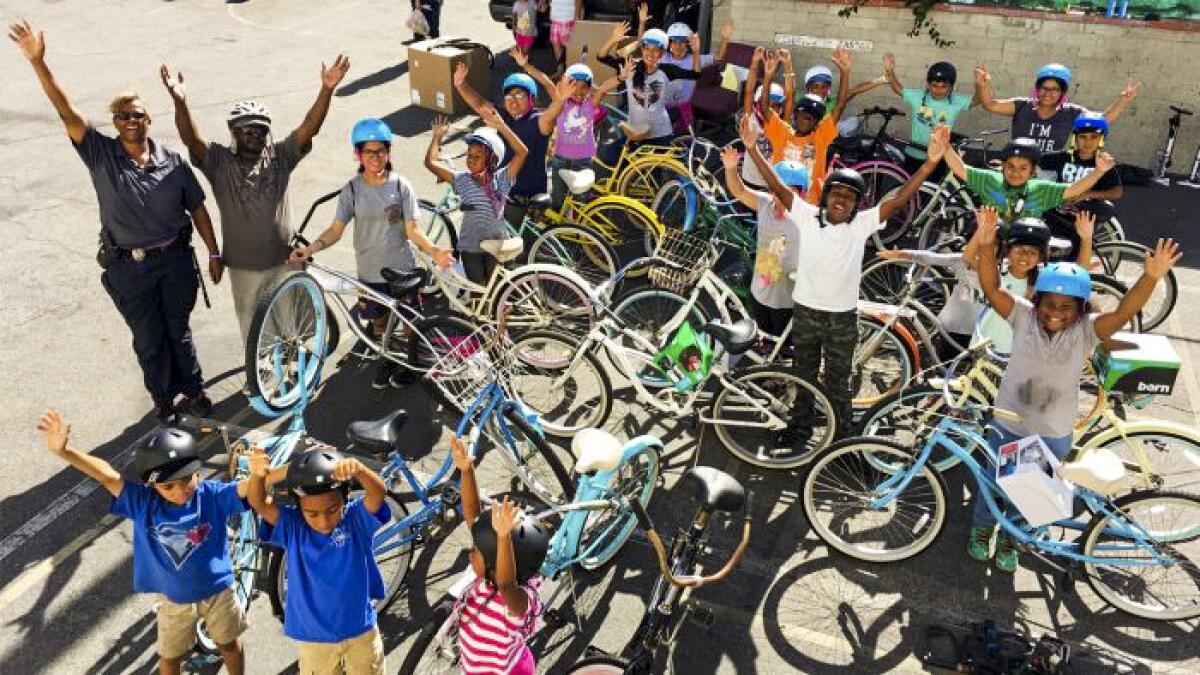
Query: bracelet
<point>789,75</point>
<point>214,256</point>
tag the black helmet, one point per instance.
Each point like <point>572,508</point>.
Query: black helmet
<point>1023,147</point>
<point>1029,231</point>
<point>813,105</point>
<point>530,543</point>
<point>847,178</point>
<point>943,71</point>
<point>169,454</point>
<point>311,473</point>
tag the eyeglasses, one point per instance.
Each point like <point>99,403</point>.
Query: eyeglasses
<point>516,94</point>
<point>1050,90</point>
<point>127,116</point>
<point>252,130</point>
<point>376,153</point>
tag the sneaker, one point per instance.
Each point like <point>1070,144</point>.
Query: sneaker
<point>383,375</point>
<point>979,543</point>
<point>164,411</point>
<point>402,377</point>
<point>199,405</point>
<point>1006,553</point>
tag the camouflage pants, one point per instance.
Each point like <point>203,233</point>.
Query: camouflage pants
<point>832,336</point>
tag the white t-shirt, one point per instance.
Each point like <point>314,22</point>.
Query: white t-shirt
<point>775,258</point>
<point>829,265</point>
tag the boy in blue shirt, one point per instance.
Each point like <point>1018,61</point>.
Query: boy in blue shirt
<point>179,546</point>
<point>331,570</point>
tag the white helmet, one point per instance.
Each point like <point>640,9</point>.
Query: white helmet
<point>655,38</point>
<point>489,138</point>
<point>679,31</point>
<point>777,93</point>
<point>818,73</point>
<point>579,71</point>
<point>248,112</point>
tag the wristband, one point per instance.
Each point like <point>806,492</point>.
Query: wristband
<point>214,256</point>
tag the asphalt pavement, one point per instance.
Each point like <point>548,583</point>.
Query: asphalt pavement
<point>66,604</point>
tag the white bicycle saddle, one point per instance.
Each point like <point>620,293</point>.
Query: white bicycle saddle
<point>503,249</point>
<point>578,182</point>
<point>597,450</point>
<point>1099,470</point>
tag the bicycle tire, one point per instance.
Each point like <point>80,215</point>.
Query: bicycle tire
<point>536,444</point>
<point>887,370</point>
<point>576,247</point>
<point>883,179</point>
<point>610,537</point>
<point>1108,231</point>
<point>906,416</point>
<point>1184,573</point>
<point>1176,456</point>
<point>886,281</point>
<point>673,206</point>
<point>629,226</point>
<point>244,557</point>
<point>435,337</point>
<point>444,660</point>
<point>538,298</point>
<point>850,468</point>
<point>947,231</point>
<point>599,665</point>
<point>1123,261</point>
<point>642,177</point>
<point>647,312</point>
<point>294,298</point>
<point>543,356</point>
<point>782,398</point>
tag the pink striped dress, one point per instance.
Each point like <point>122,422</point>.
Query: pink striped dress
<point>491,642</point>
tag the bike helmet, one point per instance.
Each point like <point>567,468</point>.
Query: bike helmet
<point>812,105</point>
<point>1029,231</point>
<point>1064,278</point>
<point>1022,147</point>
<point>655,38</point>
<point>845,177</point>
<point>248,112</point>
<point>530,542</point>
<point>793,173</point>
<point>776,94</point>
<point>679,31</point>
<point>818,74</point>
<point>942,71</point>
<point>169,454</point>
<point>370,129</point>
<point>311,473</point>
<point>490,139</point>
<point>1091,122</point>
<point>520,80</point>
<point>1054,71</point>
<point>580,73</point>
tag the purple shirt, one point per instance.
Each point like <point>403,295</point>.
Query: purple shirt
<point>576,137</point>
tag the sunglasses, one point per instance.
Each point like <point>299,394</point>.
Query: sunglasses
<point>252,130</point>
<point>127,116</point>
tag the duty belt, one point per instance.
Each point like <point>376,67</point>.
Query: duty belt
<point>141,253</point>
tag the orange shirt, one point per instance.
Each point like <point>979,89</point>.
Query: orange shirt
<point>810,149</point>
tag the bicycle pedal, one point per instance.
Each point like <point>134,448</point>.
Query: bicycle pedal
<point>701,615</point>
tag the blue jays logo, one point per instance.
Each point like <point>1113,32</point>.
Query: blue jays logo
<point>179,540</point>
<point>337,538</point>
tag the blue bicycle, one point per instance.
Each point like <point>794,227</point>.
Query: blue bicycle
<point>875,500</point>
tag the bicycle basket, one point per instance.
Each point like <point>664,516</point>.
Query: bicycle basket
<point>695,254</point>
<point>685,359</point>
<point>472,362</point>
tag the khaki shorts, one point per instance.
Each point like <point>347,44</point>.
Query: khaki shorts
<point>360,655</point>
<point>223,617</point>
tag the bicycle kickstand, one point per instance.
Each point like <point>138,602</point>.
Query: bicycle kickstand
<point>1193,179</point>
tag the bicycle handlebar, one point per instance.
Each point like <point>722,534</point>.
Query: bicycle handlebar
<point>886,113</point>
<point>693,581</point>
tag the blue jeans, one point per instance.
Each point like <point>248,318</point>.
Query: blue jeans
<point>558,187</point>
<point>997,436</point>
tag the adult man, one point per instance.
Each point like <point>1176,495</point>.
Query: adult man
<point>249,179</point>
<point>145,193</point>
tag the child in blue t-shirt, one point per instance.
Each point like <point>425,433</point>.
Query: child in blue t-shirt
<point>179,546</point>
<point>331,570</point>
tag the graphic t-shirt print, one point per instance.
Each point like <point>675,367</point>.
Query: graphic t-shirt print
<point>648,96</point>
<point>182,538</point>
<point>931,118</point>
<point>769,265</point>
<point>803,151</point>
<point>576,125</point>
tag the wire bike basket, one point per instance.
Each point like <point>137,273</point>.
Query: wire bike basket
<point>694,254</point>
<point>470,363</point>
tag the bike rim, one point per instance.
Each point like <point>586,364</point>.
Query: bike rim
<point>743,427</point>
<point>565,400</point>
<point>544,300</point>
<point>292,330</point>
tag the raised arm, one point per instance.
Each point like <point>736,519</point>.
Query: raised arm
<point>469,488</point>
<point>889,71</point>
<point>432,161</point>
<point>1085,227</point>
<point>726,36</point>
<point>57,433</point>
<point>694,47</point>
<point>989,268</point>
<point>955,163</point>
<point>841,59</point>
<point>611,83</point>
<point>776,186</point>
<point>469,95</point>
<point>504,520</point>
<point>1130,92</point>
<point>618,33</point>
<point>1158,263</point>
<point>256,487</point>
<point>789,83</point>
<point>520,152</point>
<point>33,46</point>
<point>1104,162</point>
<point>189,133</point>
<point>373,486</point>
<point>331,77</point>
<point>733,182</point>
<point>983,91</point>
<point>751,82</point>
<point>939,140</point>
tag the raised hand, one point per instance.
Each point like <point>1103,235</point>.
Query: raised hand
<point>727,29</point>
<point>521,58</point>
<point>729,157</point>
<point>347,468</point>
<point>504,518</point>
<point>747,134</point>
<point>889,63</point>
<point>757,57</point>
<point>785,55</point>
<point>643,13</point>
<point>841,59</point>
<point>1105,162</point>
<point>1085,225</point>
<point>1130,91</point>
<point>939,143</point>
<point>1160,261</point>
<point>31,44</point>
<point>460,457</point>
<point>619,31</point>
<point>460,73</point>
<point>55,430</point>
<point>441,124</point>
<point>332,76</point>
<point>694,43</point>
<point>770,63</point>
<point>260,463</point>
<point>174,85</point>
<point>988,225</point>
<point>626,68</point>
<point>981,76</point>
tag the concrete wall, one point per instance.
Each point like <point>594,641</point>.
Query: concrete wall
<point>1012,44</point>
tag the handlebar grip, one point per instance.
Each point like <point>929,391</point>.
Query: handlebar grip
<point>748,511</point>
<point>642,517</point>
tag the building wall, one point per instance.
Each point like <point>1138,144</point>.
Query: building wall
<point>1012,44</point>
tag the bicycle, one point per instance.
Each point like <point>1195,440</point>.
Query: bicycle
<point>891,510</point>
<point>613,478</point>
<point>679,573</point>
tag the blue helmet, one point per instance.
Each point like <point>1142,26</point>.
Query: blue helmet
<point>793,173</point>
<point>370,129</point>
<point>1064,278</point>
<point>1054,71</point>
<point>1091,121</point>
<point>520,80</point>
<point>579,73</point>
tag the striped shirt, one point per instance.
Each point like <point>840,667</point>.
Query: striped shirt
<point>483,214</point>
<point>489,640</point>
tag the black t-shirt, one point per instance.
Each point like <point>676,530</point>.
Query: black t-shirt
<point>1068,169</point>
<point>531,180</point>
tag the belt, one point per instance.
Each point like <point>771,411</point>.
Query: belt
<point>142,253</point>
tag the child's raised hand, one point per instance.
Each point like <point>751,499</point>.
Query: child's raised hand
<point>981,76</point>
<point>1105,162</point>
<point>460,457</point>
<point>347,468</point>
<point>729,157</point>
<point>441,124</point>
<point>757,57</point>
<point>55,430</point>
<point>1131,90</point>
<point>727,29</point>
<point>1085,225</point>
<point>746,133</point>
<point>626,68</point>
<point>517,55</point>
<point>643,13</point>
<point>939,142</point>
<point>770,63</point>
<point>989,224</point>
<point>460,73</point>
<point>785,56</point>
<point>619,31</point>
<point>1164,256</point>
<point>260,463</point>
<point>490,117</point>
<point>841,59</point>
<point>504,518</point>
<point>888,254</point>
<point>889,63</point>
<point>694,43</point>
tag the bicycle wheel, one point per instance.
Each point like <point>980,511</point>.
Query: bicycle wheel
<point>648,312</point>
<point>438,227</point>
<point>882,180</point>
<point>947,229</point>
<point>244,556</point>
<point>1123,261</point>
<point>643,177</point>
<point>629,226</point>
<point>1106,296</point>
<point>741,426</point>
<point>532,298</point>
<point>1173,457</point>
<point>287,335</point>
<point>676,205</point>
<point>907,418</point>
<point>885,369</point>
<point>1108,231</point>
<point>887,281</point>
<point>568,389</point>
<point>577,248</point>
<point>606,532</point>
<point>533,461</point>
<point>844,481</point>
<point>1131,582</point>
<point>600,665</point>
<point>435,651</point>
<point>435,337</point>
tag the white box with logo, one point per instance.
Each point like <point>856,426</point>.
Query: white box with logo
<point>1028,473</point>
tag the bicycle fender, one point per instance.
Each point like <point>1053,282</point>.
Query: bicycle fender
<point>1142,426</point>
<point>624,202</point>
<point>636,445</point>
<point>570,274</point>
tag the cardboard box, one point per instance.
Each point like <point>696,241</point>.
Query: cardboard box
<point>1028,473</point>
<point>431,67</point>
<point>593,34</point>
<point>1139,363</point>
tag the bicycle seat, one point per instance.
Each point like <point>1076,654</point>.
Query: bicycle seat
<point>714,489</point>
<point>402,284</point>
<point>1059,247</point>
<point>736,338</point>
<point>503,250</point>
<point>578,182</point>
<point>597,450</point>
<point>381,435</point>
<point>1099,470</point>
